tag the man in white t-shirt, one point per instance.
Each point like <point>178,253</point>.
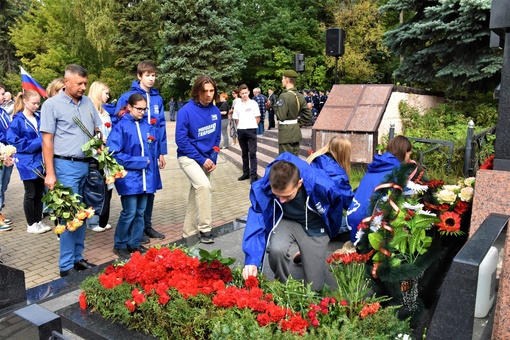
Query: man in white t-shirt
<point>247,117</point>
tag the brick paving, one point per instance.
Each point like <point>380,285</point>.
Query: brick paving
<point>37,255</point>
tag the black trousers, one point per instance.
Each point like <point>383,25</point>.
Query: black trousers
<point>248,143</point>
<point>103,218</point>
<point>272,123</point>
<point>32,203</point>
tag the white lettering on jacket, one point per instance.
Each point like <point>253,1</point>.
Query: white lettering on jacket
<point>206,130</point>
<point>319,208</point>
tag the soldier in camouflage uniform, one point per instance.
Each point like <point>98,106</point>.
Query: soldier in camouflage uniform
<point>292,113</point>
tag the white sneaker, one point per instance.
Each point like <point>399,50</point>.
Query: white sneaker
<point>108,226</point>
<point>44,226</point>
<point>35,229</point>
<point>96,228</point>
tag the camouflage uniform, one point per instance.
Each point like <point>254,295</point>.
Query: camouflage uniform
<point>291,105</point>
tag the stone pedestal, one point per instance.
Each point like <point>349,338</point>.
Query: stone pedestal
<point>12,286</point>
<point>31,322</point>
<point>492,195</point>
<point>363,113</point>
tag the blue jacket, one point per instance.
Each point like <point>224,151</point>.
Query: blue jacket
<point>126,145</point>
<point>110,108</point>
<point>197,131</point>
<point>381,166</point>
<point>28,142</point>
<point>5,120</point>
<point>155,109</point>
<point>266,210</point>
<point>337,174</point>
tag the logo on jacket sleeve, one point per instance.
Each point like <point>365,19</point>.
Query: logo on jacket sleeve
<point>320,208</point>
<point>156,109</point>
<point>214,117</point>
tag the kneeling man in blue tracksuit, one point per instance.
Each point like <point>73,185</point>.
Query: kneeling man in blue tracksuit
<point>292,203</point>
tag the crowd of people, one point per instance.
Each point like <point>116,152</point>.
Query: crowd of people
<point>296,202</point>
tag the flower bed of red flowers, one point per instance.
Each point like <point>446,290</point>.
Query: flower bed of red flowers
<point>171,282</point>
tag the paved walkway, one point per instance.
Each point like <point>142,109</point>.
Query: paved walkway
<point>37,255</point>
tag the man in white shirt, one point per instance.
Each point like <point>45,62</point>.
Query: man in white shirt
<point>247,117</point>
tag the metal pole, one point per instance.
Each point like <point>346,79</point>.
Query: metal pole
<point>468,159</point>
<point>392,131</point>
<point>336,70</point>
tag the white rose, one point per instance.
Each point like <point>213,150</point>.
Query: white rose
<point>446,196</point>
<point>466,194</point>
<point>469,181</point>
<point>454,188</point>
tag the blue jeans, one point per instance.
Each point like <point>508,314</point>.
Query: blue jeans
<point>260,128</point>
<point>5,178</point>
<point>71,174</point>
<point>129,229</point>
<point>147,216</point>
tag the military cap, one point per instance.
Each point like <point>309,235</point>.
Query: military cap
<point>290,74</point>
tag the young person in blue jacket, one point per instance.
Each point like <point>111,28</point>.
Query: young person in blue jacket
<point>133,144</point>
<point>335,159</point>
<point>197,135</point>
<point>155,115</point>
<point>292,203</point>
<point>23,133</point>
<point>399,150</point>
<point>6,169</point>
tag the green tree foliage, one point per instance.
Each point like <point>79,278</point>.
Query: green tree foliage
<point>274,30</point>
<point>136,39</point>
<point>9,11</point>
<point>444,44</point>
<point>366,59</point>
<point>196,40</point>
<point>49,36</point>
<point>100,29</point>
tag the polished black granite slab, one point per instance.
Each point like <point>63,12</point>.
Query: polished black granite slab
<point>92,326</point>
<point>30,322</point>
<point>12,286</point>
<point>455,310</point>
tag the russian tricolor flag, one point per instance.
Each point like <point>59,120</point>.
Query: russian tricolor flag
<point>29,83</point>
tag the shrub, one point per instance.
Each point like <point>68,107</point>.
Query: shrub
<point>447,122</point>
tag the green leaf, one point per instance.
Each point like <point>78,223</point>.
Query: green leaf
<point>375,240</point>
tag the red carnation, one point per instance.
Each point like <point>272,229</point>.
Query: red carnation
<point>163,299</point>
<point>130,305</point>
<point>461,207</point>
<point>108,125</point>
<point>263,320</point>
<point>153,121</point>
<point>83,301</point>
<point>488,164</point>
<point>216,149</point>
<point>151,139</point>
<point>252,282</point>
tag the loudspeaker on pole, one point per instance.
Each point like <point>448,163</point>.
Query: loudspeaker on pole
<point>335,42</point>
<point>299,62</point>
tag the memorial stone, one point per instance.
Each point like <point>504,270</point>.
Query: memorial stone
<point>31,322</point>
<point>12,286</point>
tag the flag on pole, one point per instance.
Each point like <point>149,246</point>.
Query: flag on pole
<point>29,83</point>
